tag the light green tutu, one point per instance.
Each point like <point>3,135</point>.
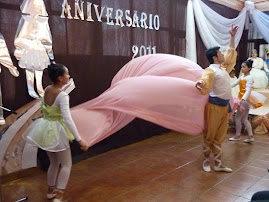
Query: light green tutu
<point>49,132</point>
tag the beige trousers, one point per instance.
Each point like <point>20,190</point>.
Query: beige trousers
<point>216,125</point>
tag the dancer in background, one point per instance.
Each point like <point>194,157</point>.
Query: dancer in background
<point>246,100</point>
<point>216,82</point>
<point>54,130</point>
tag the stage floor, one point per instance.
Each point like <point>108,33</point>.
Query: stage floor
<point>162,168</point>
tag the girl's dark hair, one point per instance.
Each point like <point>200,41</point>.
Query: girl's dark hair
<point>248,63</point>
<point>55,70</point>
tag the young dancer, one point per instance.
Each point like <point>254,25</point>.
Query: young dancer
<point>54,130</point>
<point>245,83</point>
<point>216,82</point>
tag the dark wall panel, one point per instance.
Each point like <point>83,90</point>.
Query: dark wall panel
<point>94,52</point>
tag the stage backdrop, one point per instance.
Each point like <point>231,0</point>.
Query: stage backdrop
<point>101,37</point>
<point>94,39</point>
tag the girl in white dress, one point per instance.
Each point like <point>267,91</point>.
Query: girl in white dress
<point>54,130</point>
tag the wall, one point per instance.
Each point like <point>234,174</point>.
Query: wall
<point>94,52</point>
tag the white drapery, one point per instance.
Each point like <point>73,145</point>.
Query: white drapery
<point>259,19</point>
<point>214,28</point>
<point>190,34</point>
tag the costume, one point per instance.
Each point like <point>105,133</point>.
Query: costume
<point>255,99</point>
<point>245,83</point>
<point>54,131</point>
<point>217,83</point>
<point>258,73</point>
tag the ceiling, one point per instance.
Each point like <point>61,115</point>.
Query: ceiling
<point>262,5</point>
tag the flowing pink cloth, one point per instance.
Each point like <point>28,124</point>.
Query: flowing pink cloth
<point>159,88</point>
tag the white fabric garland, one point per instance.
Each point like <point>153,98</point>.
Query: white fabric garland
<point>214,28</point>
<point>259,19</point>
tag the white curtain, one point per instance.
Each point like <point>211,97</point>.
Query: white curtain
<point>214,28</point>
<point>259,19</point>
<point>190,34</point>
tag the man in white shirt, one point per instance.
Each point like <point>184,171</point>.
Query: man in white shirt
<point>216,82</point>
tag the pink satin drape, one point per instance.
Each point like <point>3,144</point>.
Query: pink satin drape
<point>158,88</point>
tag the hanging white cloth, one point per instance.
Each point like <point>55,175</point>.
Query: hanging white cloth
<point>190,34</point>
<point>214,28</point>
<point>259,19</point>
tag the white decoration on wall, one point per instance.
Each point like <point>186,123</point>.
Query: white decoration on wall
<point>143,50</point>
<point>66,9</point>
<point>33,44</point>
<point>112,16</point>
<point>6,61</point>
<point>79,10</point>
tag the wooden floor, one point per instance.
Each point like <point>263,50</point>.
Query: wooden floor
<point>164,168</point>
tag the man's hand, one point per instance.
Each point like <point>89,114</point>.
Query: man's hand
<point>200,84</point>
<point>233,30</point>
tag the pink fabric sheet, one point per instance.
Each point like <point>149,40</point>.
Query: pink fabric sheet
<point>159,88</point>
